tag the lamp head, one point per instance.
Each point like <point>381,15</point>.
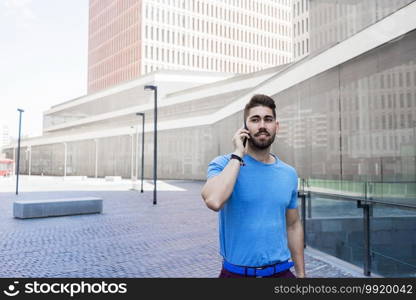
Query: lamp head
<point>21,110</point>
<point>150,87</point>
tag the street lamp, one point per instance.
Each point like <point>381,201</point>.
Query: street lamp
<point>142,114</point>
<point>154,88</point>
<point>18,150</point>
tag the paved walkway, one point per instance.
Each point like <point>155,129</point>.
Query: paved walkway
<point>132,238</point>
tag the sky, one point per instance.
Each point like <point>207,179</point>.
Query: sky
<point>43,59</point>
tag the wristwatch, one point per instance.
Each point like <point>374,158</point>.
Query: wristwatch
<point>234,156</point>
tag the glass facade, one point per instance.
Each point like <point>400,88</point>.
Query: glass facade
<point>356,123</point>
<point>332,21</point>
<point>351,131</point>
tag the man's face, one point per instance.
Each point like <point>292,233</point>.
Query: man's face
<point>262,126</point>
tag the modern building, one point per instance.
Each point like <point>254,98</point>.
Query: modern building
<point>348,125</point>
<point>353,103</point>
<point>97,135</point>
<point>131,38</point>
<point>353,97</point>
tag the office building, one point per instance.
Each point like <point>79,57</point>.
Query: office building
<point>130,38</point>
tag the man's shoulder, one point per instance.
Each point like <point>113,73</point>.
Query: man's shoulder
<point>290,169</point>
<point>221,160</point>
<point>217,165</point>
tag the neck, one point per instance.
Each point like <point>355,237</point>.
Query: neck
<point>262,155</point>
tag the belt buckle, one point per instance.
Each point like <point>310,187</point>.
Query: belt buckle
<point>255,272</point>
<point>259,268</point>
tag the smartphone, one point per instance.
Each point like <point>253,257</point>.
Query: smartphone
<point>245,139</point>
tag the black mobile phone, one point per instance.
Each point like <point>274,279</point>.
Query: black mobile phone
<point>245,139</point>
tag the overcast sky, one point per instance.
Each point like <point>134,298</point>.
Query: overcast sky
<point>43,58</point>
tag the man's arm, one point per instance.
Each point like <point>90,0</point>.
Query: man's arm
<point>218,189</point>
<point>295,240</point>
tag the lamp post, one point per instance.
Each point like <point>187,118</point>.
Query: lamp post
<point>154,89</point>
<point>18,150</point>
<point>142,114</point>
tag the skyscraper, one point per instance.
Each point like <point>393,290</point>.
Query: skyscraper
<point>114,42</point>
<point>129,38</point>
<point>300,12</point>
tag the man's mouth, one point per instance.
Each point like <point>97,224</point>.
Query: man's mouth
<point>262,134</point>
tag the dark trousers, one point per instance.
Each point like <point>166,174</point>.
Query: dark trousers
<point>284,274</point>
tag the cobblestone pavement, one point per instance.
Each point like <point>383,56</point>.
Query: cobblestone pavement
<point>131,238</point>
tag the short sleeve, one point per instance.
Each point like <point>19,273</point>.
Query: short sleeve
<point>294,199</point>
<point>216,166</point>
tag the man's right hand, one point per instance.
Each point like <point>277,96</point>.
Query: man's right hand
<point>238,139</point>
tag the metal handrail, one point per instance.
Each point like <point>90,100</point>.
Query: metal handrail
<point>363,198</point>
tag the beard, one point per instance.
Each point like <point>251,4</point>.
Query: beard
<point>261,144</point>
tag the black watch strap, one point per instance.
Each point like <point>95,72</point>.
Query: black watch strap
<point>234,156</point>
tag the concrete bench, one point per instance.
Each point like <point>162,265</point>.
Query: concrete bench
<point>57,207</point>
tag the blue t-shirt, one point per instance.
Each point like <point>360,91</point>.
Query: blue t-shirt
<point>252,223</point>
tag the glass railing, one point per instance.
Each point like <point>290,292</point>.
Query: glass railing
<point>395,192</point>
<point>393,241</point>
<point>369,224</point>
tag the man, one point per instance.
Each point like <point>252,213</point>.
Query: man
<point>256,195</point>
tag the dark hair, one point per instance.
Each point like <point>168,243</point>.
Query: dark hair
<point>260,100</point>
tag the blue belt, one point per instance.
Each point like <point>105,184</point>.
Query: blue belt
<point>258,271</point>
